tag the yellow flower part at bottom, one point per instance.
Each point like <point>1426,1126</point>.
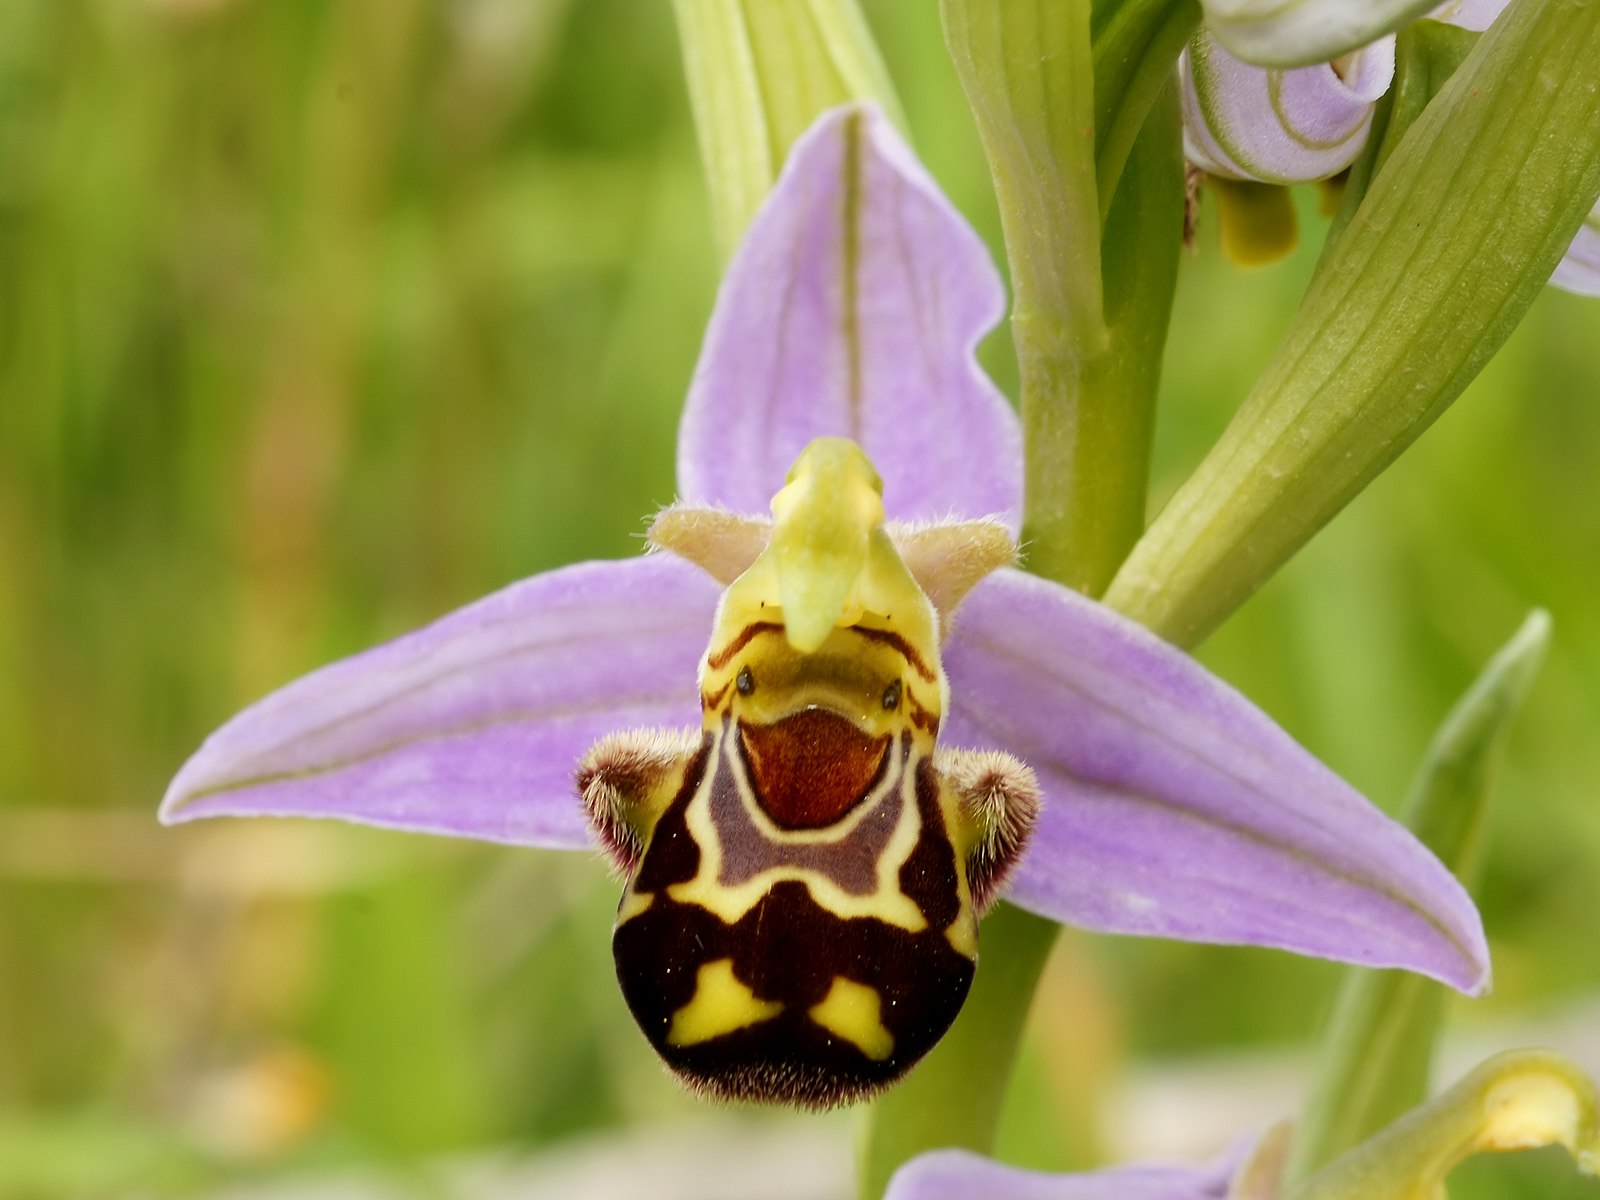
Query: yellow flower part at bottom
<point>720,1005</point>
<point>854,1012</point>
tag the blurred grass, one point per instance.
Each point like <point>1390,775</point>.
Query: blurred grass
<point>318,320</point>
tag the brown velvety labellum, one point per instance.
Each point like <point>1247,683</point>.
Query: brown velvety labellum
<point>810,769</point>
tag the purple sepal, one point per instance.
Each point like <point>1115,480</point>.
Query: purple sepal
<point>1173,807</point>
<point>962,1175</point>
<point>471,726</point>
<point>853,308</point>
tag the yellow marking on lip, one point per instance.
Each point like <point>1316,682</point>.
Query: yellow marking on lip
<point>854,1012</point>
<point>962,933</point>
<point>634,903</point>
<point>720,1005</point>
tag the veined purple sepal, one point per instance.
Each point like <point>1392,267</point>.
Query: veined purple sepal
<point>853,309</point>
<point>1173,807</point>
<point>471,726</point>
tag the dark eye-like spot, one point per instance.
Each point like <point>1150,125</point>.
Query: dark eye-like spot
<point>745,682</point>
<point>891,695</point>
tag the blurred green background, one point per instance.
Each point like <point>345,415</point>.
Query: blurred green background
<point>318,319</point>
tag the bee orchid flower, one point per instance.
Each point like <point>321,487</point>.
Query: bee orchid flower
<point>818,743</point>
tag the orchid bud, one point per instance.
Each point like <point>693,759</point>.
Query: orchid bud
<point>1272,33</point>
<point>1273,125</point>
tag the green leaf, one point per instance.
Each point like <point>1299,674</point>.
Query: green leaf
<point>759,72</point>
<point>1451,244</point>
<point>1378,1048</point>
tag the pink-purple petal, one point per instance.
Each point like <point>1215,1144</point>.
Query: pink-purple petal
<point>1274,125</point>
<point>961,1175</point>
<point>471,726</point>
<point>1476,15</point>
<point>1173,807</point>
<point>854,307</point>
<point>1579,270</point>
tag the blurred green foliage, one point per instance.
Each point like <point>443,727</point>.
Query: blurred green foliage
<point>318,319</point>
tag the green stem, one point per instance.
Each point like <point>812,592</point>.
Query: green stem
<point>1090,298</point>
<point>1088,418</point>
<point>1091,304</point>
<point>1135,44</point>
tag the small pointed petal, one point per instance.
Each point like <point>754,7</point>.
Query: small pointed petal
<point>1260,1173</point>
<point>961,1175</point>
<point>1271,125</point>
<point>853,309</point>
<point>1579,271</point>
<point>474,725</point>
<point>1175,808</point>
<point>949,558</point>
<point>723,544</point>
